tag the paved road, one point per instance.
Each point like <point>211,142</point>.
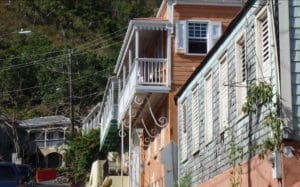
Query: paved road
<point>49,184</point>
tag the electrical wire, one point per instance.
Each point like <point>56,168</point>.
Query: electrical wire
<point>52,84</point>
<point>79,47</point>
<point>38,62</point>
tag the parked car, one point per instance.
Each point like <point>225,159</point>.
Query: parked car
<point>10,175</point>
<point>27,174</point>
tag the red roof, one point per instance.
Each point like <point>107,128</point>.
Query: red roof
<point>151,19</point>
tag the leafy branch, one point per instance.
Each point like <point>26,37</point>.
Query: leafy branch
<point>235,158</point>
<point>261,95</point>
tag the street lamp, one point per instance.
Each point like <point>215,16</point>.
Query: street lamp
<point>23,31</point>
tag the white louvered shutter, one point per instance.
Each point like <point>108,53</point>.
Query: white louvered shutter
<point>214,33</point>
<point>180,39</point>
<point>223,80</point>
<point>183,132</point>
<point>208,108</point>
<point>195,119</point>
<point>265,32</point>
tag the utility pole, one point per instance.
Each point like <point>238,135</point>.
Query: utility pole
<point>70,52</point>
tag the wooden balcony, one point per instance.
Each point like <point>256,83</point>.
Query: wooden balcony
<point>143,66</point>
<point>148,77</point>
<point>109,137</point>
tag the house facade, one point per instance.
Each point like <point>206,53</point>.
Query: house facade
<point>157,56</point>
<point>217,140</point>
<point>48,134</point>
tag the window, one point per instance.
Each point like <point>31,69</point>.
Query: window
<point>183,132</point>
<point>196,37</point>
<point>223,94</point>
<point>263,66</point>
<point>195,119</point>
<point>241,74</point>
<point>208,108</point>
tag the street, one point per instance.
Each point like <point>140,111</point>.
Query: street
<point>49,184</point>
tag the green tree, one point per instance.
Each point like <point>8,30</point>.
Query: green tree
<point>80,154</point>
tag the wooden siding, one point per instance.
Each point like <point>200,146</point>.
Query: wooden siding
<point>213,157</point>
<point>295,61</point>
<point>184,65</point>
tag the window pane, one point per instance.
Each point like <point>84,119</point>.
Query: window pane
<point>197,46</point>
<point>197,38</point>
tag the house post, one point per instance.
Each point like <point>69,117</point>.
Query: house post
<point>136,65</point>
<point>45,138</point>
<point>129,143</point>
<point>124,76</point>
<point>169,57</point>
<point>122,152</point>
<point>129,59</point>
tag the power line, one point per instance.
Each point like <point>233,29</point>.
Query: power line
<point>52,52</point>
<point>38,62</point>
<point>104,36</point>
<point>35,87</point>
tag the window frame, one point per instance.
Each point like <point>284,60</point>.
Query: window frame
<point>182,32</point>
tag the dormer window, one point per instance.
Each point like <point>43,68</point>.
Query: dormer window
<point>196,36</point>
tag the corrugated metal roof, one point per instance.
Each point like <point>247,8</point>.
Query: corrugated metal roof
<point>45,121</point>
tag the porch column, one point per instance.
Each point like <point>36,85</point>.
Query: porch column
<point>137,43</point>
<point>136,53</point>
<point>124,76</point>
<point>169,57</point>
<point>129,59</point>
<point>45,137</point>
<point>122,151</point>
<point>129,144</point>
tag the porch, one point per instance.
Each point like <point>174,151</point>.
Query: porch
<point>143,67</point>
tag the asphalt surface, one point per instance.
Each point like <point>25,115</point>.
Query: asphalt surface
<point>49,184</point>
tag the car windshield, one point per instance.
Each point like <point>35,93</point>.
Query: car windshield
<point>7,173</point>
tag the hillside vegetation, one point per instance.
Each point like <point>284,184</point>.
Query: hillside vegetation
<point>82,37</point>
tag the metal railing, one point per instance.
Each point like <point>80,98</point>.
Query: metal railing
<point>50,143</point>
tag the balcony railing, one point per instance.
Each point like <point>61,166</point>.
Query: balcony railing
<point>147,75</point>
<point>52,143</point>
<point>109,114</point>
<point>152,71</point>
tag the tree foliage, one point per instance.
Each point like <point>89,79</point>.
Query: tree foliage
<point>80,154</point>
<point>34,77</point>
